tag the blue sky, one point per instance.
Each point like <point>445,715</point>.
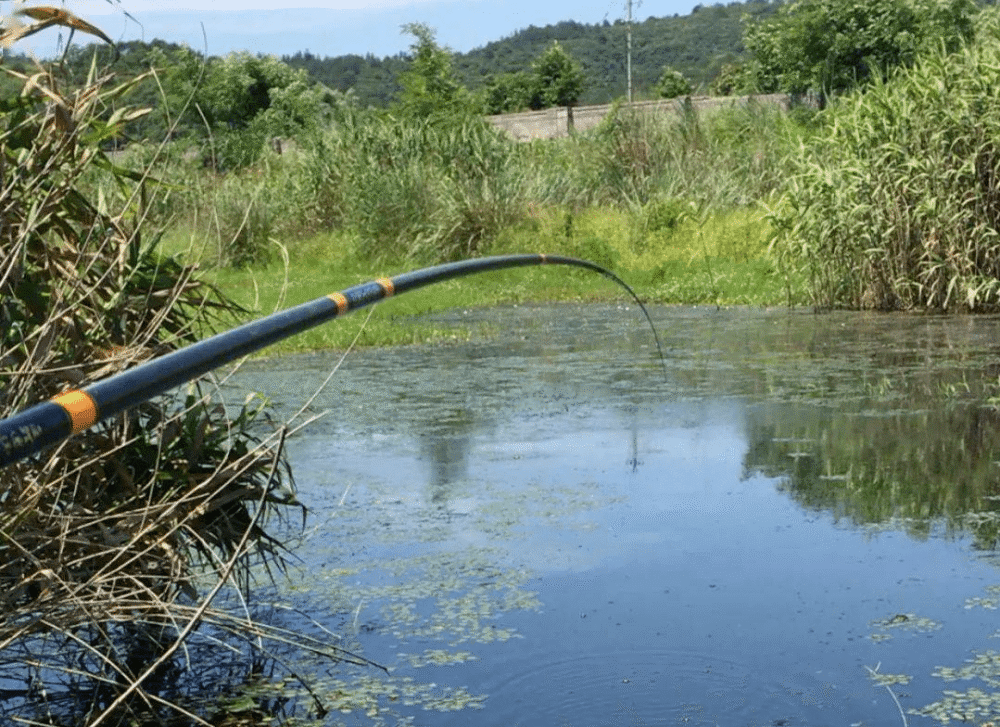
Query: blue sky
<point>332,27</point>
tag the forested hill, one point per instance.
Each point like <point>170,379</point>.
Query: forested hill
<point>697,45</point>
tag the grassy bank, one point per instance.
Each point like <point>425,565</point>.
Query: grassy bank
<point>668,254</point>
<point>673,203</point>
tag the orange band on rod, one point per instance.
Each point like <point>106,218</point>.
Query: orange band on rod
<point>386,285</point>
<point>80,406</point>
<point>341,301</point>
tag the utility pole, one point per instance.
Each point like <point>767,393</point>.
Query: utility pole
<point>628,44</point>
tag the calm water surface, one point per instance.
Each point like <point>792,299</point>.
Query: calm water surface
<point>542,527</point>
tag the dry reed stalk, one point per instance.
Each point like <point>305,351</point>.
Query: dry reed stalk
<point>114,544</point>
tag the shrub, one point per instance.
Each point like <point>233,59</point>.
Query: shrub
<point>436,188</point>
<point>728,157</point>
<point>665,213</point>
<point>672,84</point>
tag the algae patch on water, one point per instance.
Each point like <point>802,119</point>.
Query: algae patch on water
<point>990,601</point>
<point>974,704</point>
<point>378,699</point>
<point>443,597</point>
<point>903,621</point>
<point>455,596</point>
<point>432,574</point>
<point>438,657</point>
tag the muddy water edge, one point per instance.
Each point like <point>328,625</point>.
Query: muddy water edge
<point>795,525</point>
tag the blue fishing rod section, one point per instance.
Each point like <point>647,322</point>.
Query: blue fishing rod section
<point>42,425</point>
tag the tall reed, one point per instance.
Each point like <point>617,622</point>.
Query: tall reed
<point>439,188</point>
<point>721,159</point>
<point>896,203</point>
<point>432,188</point>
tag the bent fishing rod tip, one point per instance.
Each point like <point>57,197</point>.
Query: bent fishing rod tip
<point>71,412</point>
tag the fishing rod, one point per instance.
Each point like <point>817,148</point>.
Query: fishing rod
<point>71,412</point>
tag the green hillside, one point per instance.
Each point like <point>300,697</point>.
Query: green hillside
<point>697,45</point>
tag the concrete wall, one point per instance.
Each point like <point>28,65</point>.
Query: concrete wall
<point>557,122</point>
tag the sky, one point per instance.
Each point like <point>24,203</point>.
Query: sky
<point>330,27</point>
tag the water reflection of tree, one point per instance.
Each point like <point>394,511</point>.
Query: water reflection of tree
<point>443,422</point>
<point>445,443</point>
<point>911,468</point>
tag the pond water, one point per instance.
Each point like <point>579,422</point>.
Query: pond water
<point>544,526</point>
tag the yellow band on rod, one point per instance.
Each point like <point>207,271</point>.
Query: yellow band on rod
<point>82,409</point>
<point>341,300</point>
<point>386,285</point>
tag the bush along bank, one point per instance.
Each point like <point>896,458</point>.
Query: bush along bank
<point>895,203</point>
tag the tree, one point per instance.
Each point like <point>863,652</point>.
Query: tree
<point>239,87</point>
<point>509,92</point>
<point>696,45</point>
<point>672,84</point>
<point>829,46</point>
<point>249,99</point>
<point>430,85</point>
<point>180,70</point>
<point>559,78</point>
<point>556,79</point>
<point>733,78</point>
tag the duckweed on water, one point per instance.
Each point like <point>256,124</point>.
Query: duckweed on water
<point>903,621</point>
<point>985,665</point>
<point>375,696</point>
<point>889,680</point>
<point>448,592</point>
<point>974,704</point>
<point>989,602</point>
<point>968,706</point>
<point>453,595</point>
<point>506,511</point>
<point>438,657</point>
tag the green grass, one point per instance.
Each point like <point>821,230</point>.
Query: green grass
<point>720,259</point>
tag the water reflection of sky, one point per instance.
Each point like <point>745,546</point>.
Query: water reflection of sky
<point>716,548</point>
